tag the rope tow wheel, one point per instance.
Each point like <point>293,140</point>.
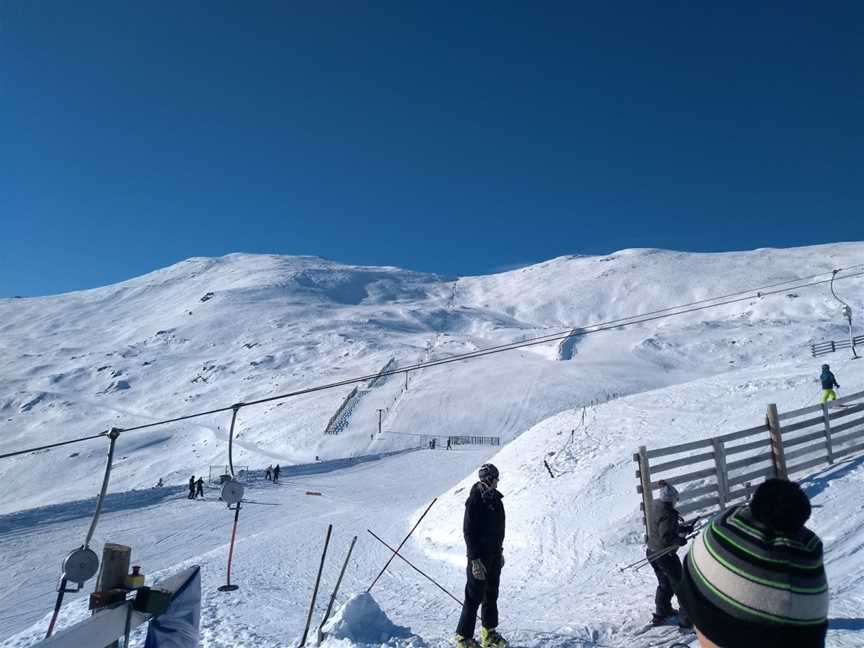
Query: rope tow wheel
<point>846,311</point>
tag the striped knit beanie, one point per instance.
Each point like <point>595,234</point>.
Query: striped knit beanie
<point>753,577</point>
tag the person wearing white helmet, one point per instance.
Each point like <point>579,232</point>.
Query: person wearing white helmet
<point>483,528</point>
<point>668,532</point>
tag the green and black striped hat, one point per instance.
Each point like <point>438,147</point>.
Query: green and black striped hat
<point>754,576</point>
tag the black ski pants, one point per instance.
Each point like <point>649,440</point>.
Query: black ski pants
<point>669,573</point>
<point>481,593</point>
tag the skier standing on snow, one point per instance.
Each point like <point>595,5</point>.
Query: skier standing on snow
<point>829,382</point>
<point>200,489</point>
<point>449,446</point>
<point>276,472</point>
<point>483,528</point>
<point>191,487</point>
<point>668,530</point>
<point>268,474</point>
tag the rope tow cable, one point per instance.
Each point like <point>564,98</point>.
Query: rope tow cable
<point>650,316</point>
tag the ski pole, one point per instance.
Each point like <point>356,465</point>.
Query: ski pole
<point>639,564</point>
<point>429,578</point>
<point>335,591</point>
<point>317,583</point>
<point>401,544</point>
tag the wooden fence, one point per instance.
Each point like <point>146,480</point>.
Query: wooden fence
<point>713,473</point>
<point>824,348</point>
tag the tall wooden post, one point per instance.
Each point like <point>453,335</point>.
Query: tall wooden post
<point>828,446</point>
<point>644,475</point>
<point>114,567</point>
<point>777,442</point>
<point>722,477</point>
<point>113,571</point>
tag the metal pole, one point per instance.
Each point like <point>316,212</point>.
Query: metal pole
<point>380,414</point>
<point>317,582</point>
<point>401,544</point>
<point>234,410</point>
<point>228,587</point>
<point>112,434</point>
<point>335,591</point>
<point>429,578</point>
<point>847,312</point>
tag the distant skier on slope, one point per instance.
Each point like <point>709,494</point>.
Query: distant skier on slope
<point>200,489</point>
<point>276,472</point>
<point>191,487</point>
<point>268,474</point>
<point>668,532</point>
<point>829,382</point>
<point>483,528</point>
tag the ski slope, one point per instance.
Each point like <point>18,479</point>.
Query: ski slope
<point>150,347</point>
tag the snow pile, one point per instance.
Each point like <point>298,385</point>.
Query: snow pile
<point>361,622</point>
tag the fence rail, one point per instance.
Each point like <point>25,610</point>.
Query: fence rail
<point>824,348</point>
<point>715,472</point>
<point>461,440</point>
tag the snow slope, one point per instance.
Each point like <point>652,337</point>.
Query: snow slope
<point>210,332</point>
<point>273,324</point>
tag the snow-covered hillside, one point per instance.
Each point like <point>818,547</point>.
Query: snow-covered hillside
<point>211,332</point>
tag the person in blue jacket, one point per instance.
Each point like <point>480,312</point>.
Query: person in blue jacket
<point>829,382</point>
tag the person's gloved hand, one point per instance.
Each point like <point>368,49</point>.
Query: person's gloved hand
<point>478,569</point>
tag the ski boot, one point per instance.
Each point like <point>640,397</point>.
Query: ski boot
<point>489,638</point>
<point>664,619</point>
<point>462,642</point>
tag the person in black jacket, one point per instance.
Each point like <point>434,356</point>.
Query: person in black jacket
<point>668,532</point>
<point>191,487</point>
<point>200,489</point>
<point>483,528</point>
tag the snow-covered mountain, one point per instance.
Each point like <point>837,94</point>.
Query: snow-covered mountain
<point>207,333</point>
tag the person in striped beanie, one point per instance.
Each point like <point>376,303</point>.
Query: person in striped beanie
<point>754,578</point>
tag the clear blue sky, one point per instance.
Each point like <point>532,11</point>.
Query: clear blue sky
<point>431,135</point>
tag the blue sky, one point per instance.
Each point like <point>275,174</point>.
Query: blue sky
<point>431,135</point>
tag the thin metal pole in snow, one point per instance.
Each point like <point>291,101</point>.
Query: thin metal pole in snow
<point>401,544</point>
<point>228,587</point>
<point>335,591</point>
<point>317,582</point>
<point>422,573</point>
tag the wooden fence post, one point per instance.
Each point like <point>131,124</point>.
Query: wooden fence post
<point>722,477</point>
<point>647,493</point>
<point>777,442</point>
<point>827,418</point>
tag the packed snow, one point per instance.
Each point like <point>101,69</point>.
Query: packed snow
<point>211,332</point>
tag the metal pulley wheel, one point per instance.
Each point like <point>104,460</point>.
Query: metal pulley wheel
<point>81,565</point>
<point>232,492</point>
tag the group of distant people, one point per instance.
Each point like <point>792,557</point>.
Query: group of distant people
<point>433,443</point>
<point>272,474</point>
<point>196,487</point>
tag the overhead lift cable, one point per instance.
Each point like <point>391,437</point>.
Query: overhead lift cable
<point>663,313</point>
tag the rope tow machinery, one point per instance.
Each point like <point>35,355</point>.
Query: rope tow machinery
<point>82,563</point>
